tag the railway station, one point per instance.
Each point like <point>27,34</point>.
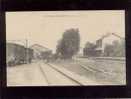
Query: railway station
<point>65,48</point>
<point>38,70</point>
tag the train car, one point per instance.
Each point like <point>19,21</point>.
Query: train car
<point>17,54</point>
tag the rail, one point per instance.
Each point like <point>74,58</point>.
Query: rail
<point>72,80</point>
<point>65,74</point>
<point>43,72</point>
<point>81,80</point>
<point>110,58</point>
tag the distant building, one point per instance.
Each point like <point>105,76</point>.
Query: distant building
<point>40,52</point>
<point>18,54</point>
<point>107,39</point>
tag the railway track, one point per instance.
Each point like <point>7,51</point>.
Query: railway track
<point>70,78</point>
<point>45,76</point>
<point>103,76</point>
<point>56,76</point>
<point>51,74</point>
<point>91,68</point>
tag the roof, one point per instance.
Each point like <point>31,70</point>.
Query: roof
<point>109,34</point>
<point>14,44</point>
<point>39,48</point>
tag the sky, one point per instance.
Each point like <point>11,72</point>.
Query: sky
<point>46,27</point>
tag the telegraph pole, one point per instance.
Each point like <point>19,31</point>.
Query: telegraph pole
<point>26,46</point>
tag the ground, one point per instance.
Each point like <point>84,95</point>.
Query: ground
<point>104,71</point>
<point>40,74</point>
<point>23,75</point>
<point>36,74</point>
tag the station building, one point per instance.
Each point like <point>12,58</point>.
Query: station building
<point>40,52</point>
<point>107,39</point>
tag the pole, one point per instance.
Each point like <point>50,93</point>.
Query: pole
<point>26,50</point>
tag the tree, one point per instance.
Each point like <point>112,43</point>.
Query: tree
<point>89,49</point>
<point>108,50</point>
<point>123,47</point>
<point>119,48</point>
<point>69,44</point>
<point>116,49</point>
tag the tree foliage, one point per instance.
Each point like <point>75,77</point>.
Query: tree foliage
<point>89,49</point>
<point>69,44</point>
<point>116,49</point>
<point>108,50</point>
